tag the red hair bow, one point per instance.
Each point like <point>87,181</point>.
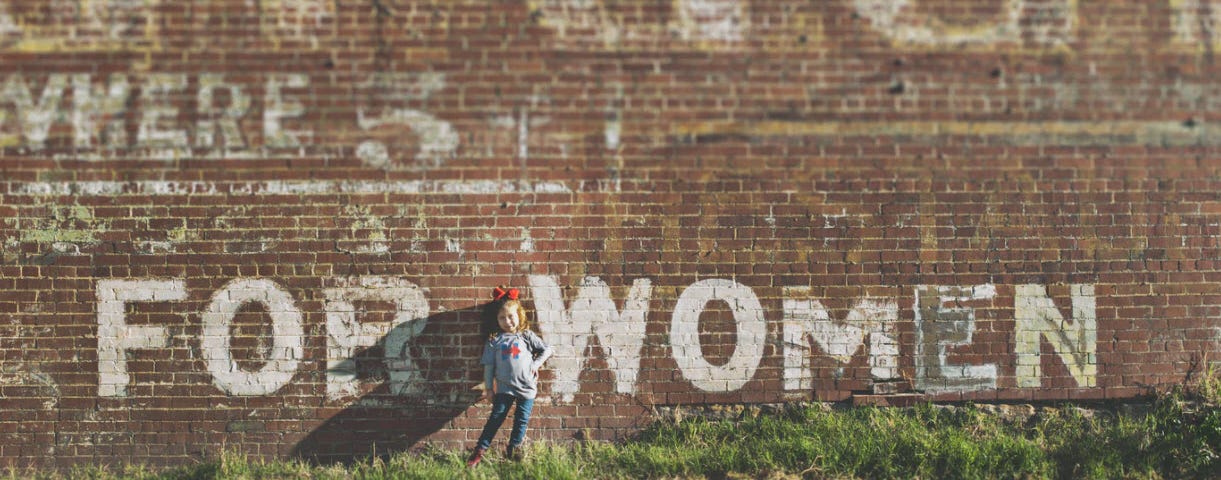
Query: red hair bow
<point>500,294</point>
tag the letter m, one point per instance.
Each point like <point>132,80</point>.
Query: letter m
<point>592,312</point>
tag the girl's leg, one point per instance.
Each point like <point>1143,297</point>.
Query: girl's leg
<point>500,410</point>
<point>521,418</point>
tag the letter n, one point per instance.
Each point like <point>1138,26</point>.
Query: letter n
<point>1076,343</point>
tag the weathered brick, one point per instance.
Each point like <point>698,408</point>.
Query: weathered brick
<point>825,162</point>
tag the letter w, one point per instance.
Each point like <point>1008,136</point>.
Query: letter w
<point>593,312</point>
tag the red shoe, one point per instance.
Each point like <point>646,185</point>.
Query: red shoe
<point>476,457</point>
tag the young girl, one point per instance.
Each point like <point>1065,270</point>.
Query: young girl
<point>511,360</point>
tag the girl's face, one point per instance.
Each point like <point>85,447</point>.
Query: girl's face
<point>508,318</point>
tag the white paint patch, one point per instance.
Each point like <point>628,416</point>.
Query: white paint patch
<point>288,334</point>
<point>751,334</point>
<point>527,243</point>
<point>940,326</point>
<point>897,19</point>
<point>346,333</point>
<point>33,118</point>
<point>806,320</point>
<point>711,20</point>
<point>437,138</point>
<point>592,313</point>
<point>299,17</point>
<point>453,245</point>
<point>7,26</point>
<point>122,18</point>
<point>278,108</point>
<point>1075,343</point>
<point>592,23</point>
<point>98,112</point>
<point>223,121</point>
<point>1195,22</point>
<point>116,337</point>
<point>611,132</point>
<point>157,100</point>
<point>523,136</point>
<point>579,18</point>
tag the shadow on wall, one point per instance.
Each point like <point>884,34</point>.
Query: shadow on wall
<point>408,395</point>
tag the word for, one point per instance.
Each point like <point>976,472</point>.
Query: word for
<point>944,319</point>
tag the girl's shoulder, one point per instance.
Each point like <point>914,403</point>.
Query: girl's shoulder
<point>530,335</point>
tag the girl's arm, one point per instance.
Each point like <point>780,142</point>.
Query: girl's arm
<point>488,376</point>
<point>542,356</point>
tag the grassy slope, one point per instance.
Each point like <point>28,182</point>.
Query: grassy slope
<point>1178,437</point>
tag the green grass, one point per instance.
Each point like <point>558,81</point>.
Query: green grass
<point>1177,436</point>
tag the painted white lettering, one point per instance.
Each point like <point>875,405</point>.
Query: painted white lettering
<point>1194,22</point>
<point>438,139</point>
<point>157,103</point>
<point>717,20</point>
<point>34,120</point>
<point>278,108</point>
<point>116,337</point>
<point>592,312</point>
<point>685,335</point>
<point>106,105</point>
<point>1076,343</point>
<point>210,118</point>
<point>288,334</point>
<point>939,327</point>
<point>808,319</point>
<point>346,333</point>
<point>898,20</point>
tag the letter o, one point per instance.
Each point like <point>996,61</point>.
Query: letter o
<point>685,335</point>
<point>287,332</point>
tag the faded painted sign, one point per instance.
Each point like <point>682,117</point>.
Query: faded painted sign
<point>1042,22</point>
<point>944,320</point>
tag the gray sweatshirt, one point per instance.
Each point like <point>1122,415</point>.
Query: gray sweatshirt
<point>512,360</point>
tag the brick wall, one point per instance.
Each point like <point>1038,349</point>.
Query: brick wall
<point>271,226</point>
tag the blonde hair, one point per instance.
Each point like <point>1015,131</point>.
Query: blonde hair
<point>523,320</point>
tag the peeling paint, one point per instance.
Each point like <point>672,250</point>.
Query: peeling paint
<point>711,20</point>
<point>592,23</point>
<point>1049,22</point>
<point>80,25</point>
<point>367,233</point>
<point>31,376</point>
<point>1195,23</point>
<point>67,229</point>
<point>438,141</point>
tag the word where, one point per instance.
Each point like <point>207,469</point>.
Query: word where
<point>100,110</point>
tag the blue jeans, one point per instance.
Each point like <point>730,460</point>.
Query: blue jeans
<point>500,409</point>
